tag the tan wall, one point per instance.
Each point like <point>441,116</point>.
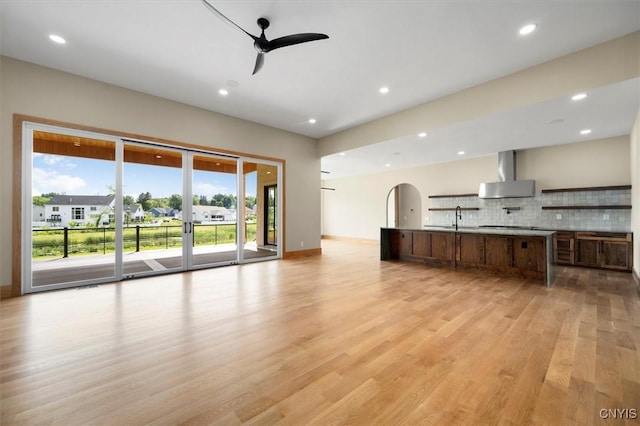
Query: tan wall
<point>37,91</point>
<point>409,206</point>
<point>594,163</point>
<point>357,208</point>
<point>635,193</point>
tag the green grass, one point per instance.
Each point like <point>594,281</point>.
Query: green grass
<point>84,241</point>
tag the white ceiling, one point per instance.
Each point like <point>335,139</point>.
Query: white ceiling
<point>421,50</point>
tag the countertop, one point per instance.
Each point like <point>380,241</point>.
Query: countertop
<point>477,230</point>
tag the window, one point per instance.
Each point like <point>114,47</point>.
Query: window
<point>93,209</point>
<point>55,208</point>
<point>77,213</point>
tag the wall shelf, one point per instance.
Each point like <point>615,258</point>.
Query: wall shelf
<point>447,209</point>
<point>593,188</point>
<point>602,207</point>
<point>453,196</point>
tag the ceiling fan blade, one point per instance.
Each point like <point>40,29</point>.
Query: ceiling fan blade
<point>227,20</point>
<point>259,63</point>
<point>290,40</point>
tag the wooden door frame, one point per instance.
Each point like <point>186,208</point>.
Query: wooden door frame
<point>17,181</point>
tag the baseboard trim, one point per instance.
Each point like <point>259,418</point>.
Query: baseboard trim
<point>6,291</point>
<point>351,239</point>
<point>302,253</point>
<point>636,279</point>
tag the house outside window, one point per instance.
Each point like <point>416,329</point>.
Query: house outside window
<point>93,209</point>
<point>55,208</point>
<point>77,213</point>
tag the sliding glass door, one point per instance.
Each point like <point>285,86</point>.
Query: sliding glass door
<point>213,192</point>
<point>152,236</point>
<point>98,208</point>
<point>69,203</point>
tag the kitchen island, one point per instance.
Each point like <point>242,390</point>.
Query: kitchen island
<point>524,253</point>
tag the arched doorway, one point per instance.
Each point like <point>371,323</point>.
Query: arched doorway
<point>404,205</point>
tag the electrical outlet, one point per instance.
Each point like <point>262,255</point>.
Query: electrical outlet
<point>605,216</point>
<point>301,243</point>
<point>559,216</point>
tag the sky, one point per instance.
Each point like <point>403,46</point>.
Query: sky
<point>82,176</point>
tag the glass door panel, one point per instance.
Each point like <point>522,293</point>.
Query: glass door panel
<point>73,181</point>
<point>153,231</point>
<point>261,216</point>
<point>271,215</point>
<point>214,210</point>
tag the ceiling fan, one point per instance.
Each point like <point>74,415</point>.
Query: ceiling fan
<point>261,44</point>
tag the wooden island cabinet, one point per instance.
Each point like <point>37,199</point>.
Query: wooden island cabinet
<point>520,253</point>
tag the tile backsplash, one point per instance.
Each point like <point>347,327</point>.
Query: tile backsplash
<point>492,211</point>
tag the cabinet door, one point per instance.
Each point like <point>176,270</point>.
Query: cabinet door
<point>498,251</point>
<point>422,244</point>
<point>405,243</point>
<point>442,245</point>
<point>563,250</point>
<point>529,253</point>
<point>470,249</point>
<point>615,255</point>
<point>586,252</point>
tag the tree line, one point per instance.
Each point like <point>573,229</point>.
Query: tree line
<point>174,201</point>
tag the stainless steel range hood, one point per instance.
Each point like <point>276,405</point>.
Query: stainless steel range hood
<point>507,185</point>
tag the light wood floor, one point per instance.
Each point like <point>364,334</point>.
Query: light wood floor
<point>341,338</point>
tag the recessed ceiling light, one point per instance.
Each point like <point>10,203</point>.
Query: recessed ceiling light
<point>384,90</point>
<point>460,152</point>
<point>585,131</point>
<point>312,121</point>
<point>342,154</point>
<point>76,144</point>
<point>57,39</point>
<point>579,96</point>
<point>158,156</point>
<point>528,29</point>
<point>223,92</point>
<point>422,134</point>
<point>387,165</point>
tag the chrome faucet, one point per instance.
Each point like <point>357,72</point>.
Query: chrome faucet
<point>458,215</point>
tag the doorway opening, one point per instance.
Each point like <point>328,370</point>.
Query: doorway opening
<point>404,206</point>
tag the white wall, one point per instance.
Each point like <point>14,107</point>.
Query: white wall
<point>357,208</point>
<point>611,62</point>
<point>37,91</point>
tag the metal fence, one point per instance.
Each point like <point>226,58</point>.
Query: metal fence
<point>65,242</point>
